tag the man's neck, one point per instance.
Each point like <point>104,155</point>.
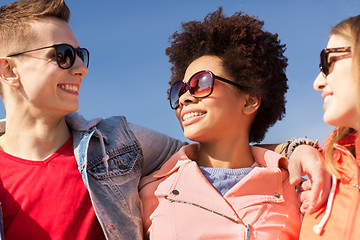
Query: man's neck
<point>33,140</point>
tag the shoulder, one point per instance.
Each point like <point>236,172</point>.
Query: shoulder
<point>266,157</point>
<point>185,155</point>
<point>113,130</point>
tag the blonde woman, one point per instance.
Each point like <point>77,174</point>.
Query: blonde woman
<point>338,83</point>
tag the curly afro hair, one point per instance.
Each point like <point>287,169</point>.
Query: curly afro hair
<point>252,56</point>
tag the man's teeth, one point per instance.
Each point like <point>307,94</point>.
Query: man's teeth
<point>69,87</point>
<point>327,98</point>
<point>191,115</point>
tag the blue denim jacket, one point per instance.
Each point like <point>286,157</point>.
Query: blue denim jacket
<point>112,155</point>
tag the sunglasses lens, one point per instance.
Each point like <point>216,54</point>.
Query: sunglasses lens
<point>200,85</point>
<point>65,56</point>
<point>324,65</point>
<point>177,89</point>
<point>83,53</point>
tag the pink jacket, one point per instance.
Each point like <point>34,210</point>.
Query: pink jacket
<point>179,203</point>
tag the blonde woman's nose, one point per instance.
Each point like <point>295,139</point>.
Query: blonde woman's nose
<point>319,82</point>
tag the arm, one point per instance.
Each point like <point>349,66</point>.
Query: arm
<point>157,147</point>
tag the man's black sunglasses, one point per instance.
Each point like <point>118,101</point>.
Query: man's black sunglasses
<point>65,54</point>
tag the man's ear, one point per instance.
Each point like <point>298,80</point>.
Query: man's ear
<point>252,104</point>
<point>8,73</point>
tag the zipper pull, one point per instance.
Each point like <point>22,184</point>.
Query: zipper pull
<point>248,232</point>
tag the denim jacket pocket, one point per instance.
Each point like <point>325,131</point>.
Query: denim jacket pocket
<point>120,162</point>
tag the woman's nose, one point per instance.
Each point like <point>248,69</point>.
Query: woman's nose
<point>186,98</point>
<point>319,82</point>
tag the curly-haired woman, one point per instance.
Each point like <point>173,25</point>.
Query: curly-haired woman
<point>227,88</point>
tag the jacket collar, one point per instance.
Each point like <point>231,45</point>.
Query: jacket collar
<point>78,123</point>
<point>188,153</point>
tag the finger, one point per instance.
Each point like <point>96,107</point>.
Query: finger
<point>305,197</point>
<point>305,186</point>
<point>320,184</point>
<point>295,172</point>
<point>321,189</point>
<point>315,196</point>
<point>305,201</point>
<point>304,207</point>
<point>319,193</point>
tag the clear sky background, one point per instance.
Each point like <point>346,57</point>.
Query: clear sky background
<point>129,72</point>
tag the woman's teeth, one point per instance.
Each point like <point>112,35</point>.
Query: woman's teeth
<point>69,87</point>
<point>191,115</point>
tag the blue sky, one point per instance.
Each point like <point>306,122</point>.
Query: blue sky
<point>129,72</point>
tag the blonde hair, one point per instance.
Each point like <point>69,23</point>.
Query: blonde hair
<point>15,19</point>
<point>348,29</point>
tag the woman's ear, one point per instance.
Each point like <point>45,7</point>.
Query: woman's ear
<point>252,103</point>
<point>8,73</point>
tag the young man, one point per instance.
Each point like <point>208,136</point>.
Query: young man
<point>41,192</point>
<point>44,145</point>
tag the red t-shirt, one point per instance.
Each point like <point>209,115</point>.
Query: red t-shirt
<point>46,199</point>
